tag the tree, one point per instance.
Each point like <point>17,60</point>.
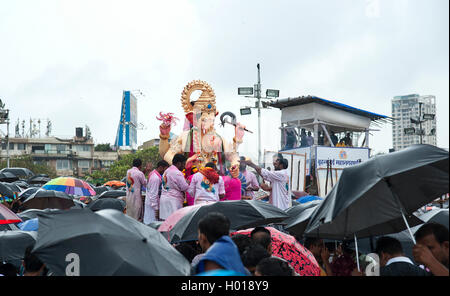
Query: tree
<point>118,170</point>
<point>103,147</point>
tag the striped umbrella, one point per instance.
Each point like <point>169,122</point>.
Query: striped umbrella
<point>70,185</point>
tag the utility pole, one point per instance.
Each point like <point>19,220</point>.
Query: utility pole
<point>256,92</point>
<point>258,95</point>
<point>420,121</point>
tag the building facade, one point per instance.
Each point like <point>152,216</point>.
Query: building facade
<point>69,157</point>
<point>405,108</point>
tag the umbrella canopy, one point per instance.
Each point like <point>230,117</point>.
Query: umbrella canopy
<point>22,173</point>
<point>288,248</point>
<point>8,227</point>
<point>49,199</point>
<point>112,193</point>
<point>438,216</point>
<point>107,203</point>
<point>31,214</point>
<point>21,184</point>
<point>78,204</point>
<point>299,217</point>
<point>70,185</point>
<point>14,243</point>
<point>170,222</point>
<point>113,244</point>
<point>100,189</point>
<point>6,190</point>
<point>308,198</point>
<point>373,197</point>
<point>27,193</point>
<point>8,177</point>
<point>155,224</point>
<point>7,216</point>
<point>29,225</point>
<point>115,183</point>
<point>241,213</point>
<point>39,179</point>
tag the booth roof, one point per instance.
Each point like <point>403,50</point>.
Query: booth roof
<point>289,102</point>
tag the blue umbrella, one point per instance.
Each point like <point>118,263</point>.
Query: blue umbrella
<point>29,225</point>
<point>308,198</point>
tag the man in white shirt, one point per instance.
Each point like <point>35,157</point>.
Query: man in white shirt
<point>206,185</point>
<point>280,195</point>
<point>153,192</point>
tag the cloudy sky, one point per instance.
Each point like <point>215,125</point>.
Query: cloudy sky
<point>69,61</point>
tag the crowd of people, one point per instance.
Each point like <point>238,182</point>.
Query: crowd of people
<point>306,139</point>
<point>170,187</point>
<point>219,252</point>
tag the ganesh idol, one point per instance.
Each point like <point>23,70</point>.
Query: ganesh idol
<point>199,140</point>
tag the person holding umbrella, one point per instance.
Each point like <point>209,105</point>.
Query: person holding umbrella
<point>280,195</point>
<point>153,192</point>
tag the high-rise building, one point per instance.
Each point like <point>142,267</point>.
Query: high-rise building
<point>126,138</point>
<point>405,112</point>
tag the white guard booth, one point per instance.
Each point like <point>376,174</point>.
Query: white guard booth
<point>328,122</point>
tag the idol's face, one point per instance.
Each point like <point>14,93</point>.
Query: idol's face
<point>207,121</point>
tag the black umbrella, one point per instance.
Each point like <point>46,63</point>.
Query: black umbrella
<point>39,179</point>
<point>8,227</point>
<point>8,177</point>
<point>155,224</point>
<point>299,217</point>
<point>49,199</point>
<point>437,215</point>
<point>33,213</point>
<point>22,173</point>
<point>112,193</point>
<point>380,191</point>
<point>21,184</point>
<point>105,243</point>
<point>14,243</point>
<point>100,189</point>
<point>107,203</point>
<point>5,190</point>
<point>27,193</point>
<point>242,214</point>
<point>374,197</point>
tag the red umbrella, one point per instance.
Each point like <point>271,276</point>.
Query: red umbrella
<point>287,247</point>
<point>7,216</point>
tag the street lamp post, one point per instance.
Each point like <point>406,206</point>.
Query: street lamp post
<point>4,118</point>
<point>256,92</point>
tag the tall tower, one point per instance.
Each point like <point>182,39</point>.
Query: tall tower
<point>126,137</point>
<point>405,111</point>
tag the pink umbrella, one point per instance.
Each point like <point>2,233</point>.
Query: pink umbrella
<point>287,247</point>
<point>170,222</point>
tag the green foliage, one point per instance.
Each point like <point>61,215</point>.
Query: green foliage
<point>118,169</point>
<point>103,147</point>
<point>26,161</point>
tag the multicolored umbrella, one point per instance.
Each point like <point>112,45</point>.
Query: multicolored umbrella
<point>70,185</point>
<point>7,216</point>
<point>287,247</point>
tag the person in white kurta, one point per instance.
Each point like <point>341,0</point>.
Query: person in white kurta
<point>153,193</point>
<point>198,189</point>
<point>280,193</point>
